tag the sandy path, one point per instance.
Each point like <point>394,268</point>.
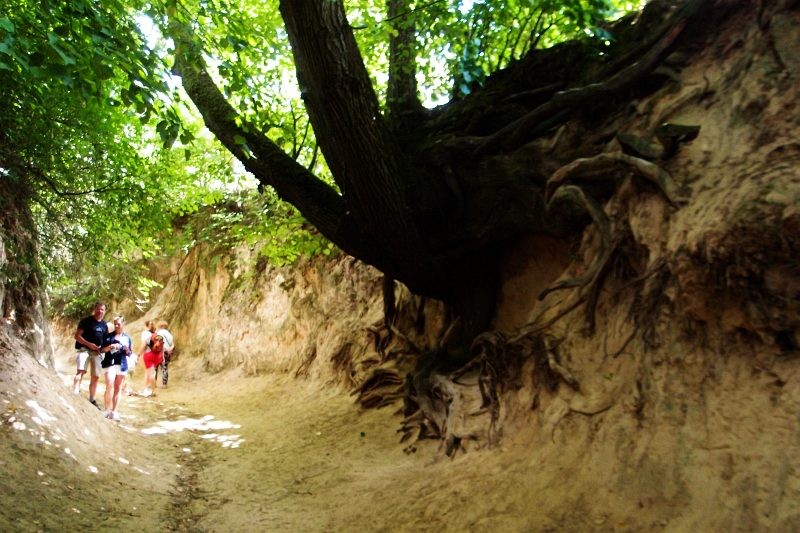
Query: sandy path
<point>219,453</point>
<point>224,452</point>
<point>289,456</point>
<point>272,453</point>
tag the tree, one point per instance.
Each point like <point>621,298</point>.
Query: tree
<point>431,197</point>
<point>79,149</point>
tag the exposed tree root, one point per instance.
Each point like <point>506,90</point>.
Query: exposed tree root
<point>302,370</point>
<point>613,235</point>
<point>497,359</point>
<point>383,387</point>
<point>555,366</point>
<point>578,196</point>
<point>563,103</point>
<point>609,165</point>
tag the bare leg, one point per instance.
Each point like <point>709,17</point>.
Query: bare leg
<point>76,382</point>
<point>118,381</point>
<point>93,386</point>
<point>93,377</point>
<point>107,397</point>
<point>149,379</point>
<point>164,371</point>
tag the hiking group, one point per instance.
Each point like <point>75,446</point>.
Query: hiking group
<point>106,350</point>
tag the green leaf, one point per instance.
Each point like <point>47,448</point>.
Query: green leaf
<point>7,25</point>
<point>53,41</point>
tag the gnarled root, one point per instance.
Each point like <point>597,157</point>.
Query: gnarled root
<point>610,165</point>
<point>613,234</point>
<point>383,387</point>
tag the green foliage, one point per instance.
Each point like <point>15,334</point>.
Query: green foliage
<point>93,49</point>
<point>144,286</point>
<point>113,281</point>
<point>273,228</point>
<point>88,117</point>
<point>459,43</point>
<point>94,126</point>
<point>471,39</point>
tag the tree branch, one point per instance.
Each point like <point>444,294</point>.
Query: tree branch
<point>318,202</point>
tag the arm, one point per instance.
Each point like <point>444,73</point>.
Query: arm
<point>110,344</point>
<point>80,340</point>
<point>145,344</point>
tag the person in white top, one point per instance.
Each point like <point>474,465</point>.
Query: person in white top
<point>169,348</point>
<point>144,345</point>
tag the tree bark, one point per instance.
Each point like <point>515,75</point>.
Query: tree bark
<point>362,154</point>
<point>402,100</point>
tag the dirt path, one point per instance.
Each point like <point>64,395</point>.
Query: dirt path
<point>272,453</point>
<point>284,455</point>
<point>230,453</point>
<point>219,453</point>
<point>224,452</point>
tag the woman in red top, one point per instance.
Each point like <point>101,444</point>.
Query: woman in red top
<point>151,360</point>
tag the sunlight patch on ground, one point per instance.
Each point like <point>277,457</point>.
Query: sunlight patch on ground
<point>42,417</point>
<point>227,441</point>
<point>204,425</point>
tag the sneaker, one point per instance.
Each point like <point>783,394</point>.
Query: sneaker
<point>107,413</point>
<point>115,416</point>
<point>146,393</point>
<point>94,402</point>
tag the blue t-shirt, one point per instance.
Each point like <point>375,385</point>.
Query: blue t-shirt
<point>94,331</point>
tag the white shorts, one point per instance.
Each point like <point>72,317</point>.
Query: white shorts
<point>113,371</point>
<point>92,358</point>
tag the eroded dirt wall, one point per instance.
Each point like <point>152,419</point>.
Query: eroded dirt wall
<point>682,391</point>
<point>21,293</point>
<point>321,319</point>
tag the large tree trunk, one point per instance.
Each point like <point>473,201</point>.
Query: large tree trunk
<point>431,202</point>
<point>403,106</point>
<point>361,152</point>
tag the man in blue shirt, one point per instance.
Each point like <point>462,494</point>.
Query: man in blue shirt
<point>88,339</point>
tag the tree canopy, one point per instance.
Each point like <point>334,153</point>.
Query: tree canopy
<point>428,195</point>
<point>398,129</point>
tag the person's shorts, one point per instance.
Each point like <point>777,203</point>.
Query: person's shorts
<point>152,360</point>
<point>132,359</point>
<point>113,371</point>
<point>92,358</point>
